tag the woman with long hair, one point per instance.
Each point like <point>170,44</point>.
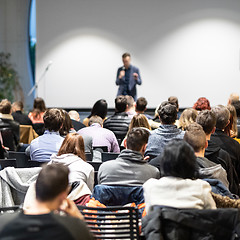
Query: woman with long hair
<point>187,117</point>
<point>36,115</point>
<point>72,154</point>
<point>99,109</point>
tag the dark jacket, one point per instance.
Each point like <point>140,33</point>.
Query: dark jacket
<point>219,156</point>
<point>21,118</point>
<point>191,224</point>
<point>229,145</point>
<point>77,125</point>
<point>118,124</point>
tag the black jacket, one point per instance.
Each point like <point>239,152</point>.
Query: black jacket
<point>21,118</point>
<point>191,224</point>
<point>217,155</point>
<point>118,124</point>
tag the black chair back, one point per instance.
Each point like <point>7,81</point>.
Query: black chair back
<point>109,156</point>
<point>101,148</point>
<point>7,163</point>
<point>21,158</point>
<point>8,138</point>
<point>88,157</point>
<point>112,222</point>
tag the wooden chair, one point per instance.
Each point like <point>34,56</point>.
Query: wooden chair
<point>112,222</point>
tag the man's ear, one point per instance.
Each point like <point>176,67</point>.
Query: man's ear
<point>144,148</point>
<point>125,143</point>
<point>206,144</point>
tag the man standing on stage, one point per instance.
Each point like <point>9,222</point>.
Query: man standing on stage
<point>128,77</point>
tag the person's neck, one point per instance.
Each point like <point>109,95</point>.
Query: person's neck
<point>39,208</point>
<point>200,153</point>
<point>208,137</point>
<point>139,112</point>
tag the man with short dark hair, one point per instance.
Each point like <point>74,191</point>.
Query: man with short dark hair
<point>50,142</point>
<point>128,76</point>
<point>166,132</point>
<point>141,107</point>
<point>41,221</point>
<point>213,152</point>
<point>100,136</point>
<point>129,168</point>
<point>223,140</point>
<point>18,115</point>
<point>119,122</point>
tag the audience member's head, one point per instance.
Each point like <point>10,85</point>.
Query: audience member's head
<point>196,137</point>
<point>74,115</point>
<point>222,116</point>
<point>67,124</point>
<point>237,107</point>
<point>141,105</point>
<point>73,143</point>
<point>207,120</point>
<point>174,100</point>
<point>120,104</point>
<point>202,104</point>
<point>17,106</point>
<point>231,129</point>
<point>53,119</point>
<point>137,139</point>
<point>95,119</point>
<point>130,103</point>
<point>234,97</point>
<point>139,120</point>
<point>100,109</point>
<point>5,107</point>
<point>167,113</point>
<point>178,160</point>
<point>52,182</point>
<point>39,104</point>
<point>187,117</point>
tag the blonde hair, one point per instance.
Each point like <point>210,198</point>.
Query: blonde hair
<point>231,129</point>
<point>225,201</point>
<point>187,117</point>
<point>139,120</point>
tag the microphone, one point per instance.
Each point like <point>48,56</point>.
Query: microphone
<point>123,68</point>
<point>48,66</point>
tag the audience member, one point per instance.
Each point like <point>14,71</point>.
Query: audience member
<point>74,115</point>
<point>50,142</point>
<point>213,152</point>
<point>42,220</point>
<point>223,140</point>
<point>72,154</point>
<point>130,168</point>
<point>67,126</point>
<point>99,109</point>
<point>119,122</point>
<point>101,136</point>
<point>196,137</point>
<point>178,187</point>
<point>18,115</point>
<point>187,117</point>
<point>141,107</point>
<point>237,107</point>
<point>36,115</point>
<point>234,97</point>
<point>202,104</point>
<point>231,129</point>
<point>130,106</point>
<point>166,132</point>
<point>7,120</point>
<point>174,100</point>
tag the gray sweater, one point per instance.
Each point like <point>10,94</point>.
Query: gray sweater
<point>129,169</point>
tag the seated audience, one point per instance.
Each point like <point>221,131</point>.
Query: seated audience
<point>99,109</point>
<point>7,120</point>
<point>18,115</point>
<point>166,132</point>
<point>74,115</point>
<point>179,186</point>
<point>231,129</point>
<point>130,106</point>
<point>196,137</point>
<point>223,140</point>
<point>202,104</point>
<point>36,115</point>
<point>187,117</point>
<point>141,107</point>
<point>50,142</point>
<point>119,122</point>
<point>100,136</point>
<point>71,154</point>
<point>67,126</point>
<point>43,220</point>
<point>214,153</point>
<point>129,168</point>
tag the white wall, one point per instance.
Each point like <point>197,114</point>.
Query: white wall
<point>14,40</point>
<point>185,48</point>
